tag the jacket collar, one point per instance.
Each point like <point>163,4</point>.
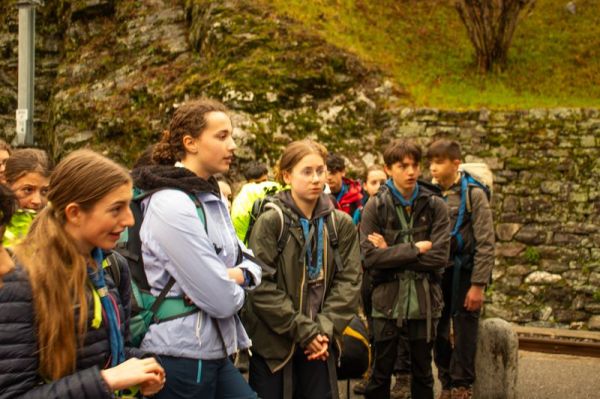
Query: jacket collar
<point>323,208</point>
<point>166,176</point>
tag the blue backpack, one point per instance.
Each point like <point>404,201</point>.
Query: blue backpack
<point>461,260</point>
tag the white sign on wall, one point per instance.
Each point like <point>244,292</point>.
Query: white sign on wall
<point>22,116</point>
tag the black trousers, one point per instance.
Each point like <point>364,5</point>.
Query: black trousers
<point>456,363</point>
<point>310,379</point>
<point>402,365</point>
<point>387,335</point>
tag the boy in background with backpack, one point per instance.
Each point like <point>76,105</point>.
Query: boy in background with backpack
<point>470,268</point>
<point>346,192</point>
<point>405,238</point>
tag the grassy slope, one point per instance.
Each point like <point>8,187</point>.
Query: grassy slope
<point>422,44</point>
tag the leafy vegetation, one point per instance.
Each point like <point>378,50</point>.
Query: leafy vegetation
<point>423,46</point>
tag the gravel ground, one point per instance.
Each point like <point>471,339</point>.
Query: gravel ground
<point>546,376</point>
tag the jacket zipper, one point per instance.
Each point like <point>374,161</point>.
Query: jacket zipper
<point>199,327</point>
<point>408,299</point>
<point>325,261</point>
<point>289,356</point>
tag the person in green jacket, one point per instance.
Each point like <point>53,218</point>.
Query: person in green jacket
<point>296,317</point>
<point>27,173</point>
<point>241,209</point>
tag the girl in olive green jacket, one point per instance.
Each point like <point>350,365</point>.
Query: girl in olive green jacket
<point>296,316</point>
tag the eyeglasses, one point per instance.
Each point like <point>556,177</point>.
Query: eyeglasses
<point>308,173</point>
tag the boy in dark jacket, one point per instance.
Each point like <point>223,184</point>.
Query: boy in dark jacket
<point>405,240</point>
<point>469,272</point>
<point>346,192</point>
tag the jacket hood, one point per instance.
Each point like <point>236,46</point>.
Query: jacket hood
<point>166,176</point>
<point>426,189</point>
<point>323,208</point>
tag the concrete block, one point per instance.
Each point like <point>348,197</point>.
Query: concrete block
<point>496,362</point>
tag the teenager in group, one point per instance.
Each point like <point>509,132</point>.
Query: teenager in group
<point>5,151</point>
<point>63,319</point>
<point>27,171</point>
<point>297,316</point>
<point>187,235</point>
<point>241,208</point>
<point>346,192</point>
<point>405,241</point>
<point>375,178</point>
<point>464,283</point>
<point>225,189</point>
<point>256,172</point>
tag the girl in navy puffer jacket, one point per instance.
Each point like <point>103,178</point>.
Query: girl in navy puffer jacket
<point>62,320</point>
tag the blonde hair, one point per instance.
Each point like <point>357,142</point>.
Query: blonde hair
<point>294,153</point>
<point>56,268</point>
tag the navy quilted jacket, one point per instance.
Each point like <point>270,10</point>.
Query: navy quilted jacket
<point>19,364</point>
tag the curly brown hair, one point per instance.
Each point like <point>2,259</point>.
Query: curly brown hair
<point>189,119</point>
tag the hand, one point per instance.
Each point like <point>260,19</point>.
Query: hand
<point>423,246</point>
<point>150,388</point>
<point>474,298</point>
<point>318,349</point>
<point>236,274</point>
<point>144,372</point>
<point>377,240</point>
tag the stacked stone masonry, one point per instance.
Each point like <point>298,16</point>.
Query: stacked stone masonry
<point>546,204</point>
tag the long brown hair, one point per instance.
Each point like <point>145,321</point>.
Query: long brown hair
<point>4,146</point>
<point>8,206</point>
<point>188,119</point>
<point>26,160</point>
<point>294,153</point>
<point>56,268</point>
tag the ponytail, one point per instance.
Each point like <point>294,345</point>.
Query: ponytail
<point>57,285</point>
<point>57,269</point>
<point>163,153</point>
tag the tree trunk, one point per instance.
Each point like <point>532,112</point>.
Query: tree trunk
<point>490,26</point>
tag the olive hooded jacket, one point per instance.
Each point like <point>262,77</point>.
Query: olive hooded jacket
<point>275,314</point>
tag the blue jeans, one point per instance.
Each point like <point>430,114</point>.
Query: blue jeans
<point>205,379</point>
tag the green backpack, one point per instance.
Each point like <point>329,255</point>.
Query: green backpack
<point>147,309</point>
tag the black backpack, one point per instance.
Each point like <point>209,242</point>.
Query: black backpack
<point>356,353</point>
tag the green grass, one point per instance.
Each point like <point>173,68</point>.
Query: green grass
<point>422,45</point>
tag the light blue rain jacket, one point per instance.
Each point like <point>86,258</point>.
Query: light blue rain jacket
<point>175,243</point>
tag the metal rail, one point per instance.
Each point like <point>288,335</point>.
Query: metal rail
<point>559,346</point>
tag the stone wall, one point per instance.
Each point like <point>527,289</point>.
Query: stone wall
<point>546,202</point>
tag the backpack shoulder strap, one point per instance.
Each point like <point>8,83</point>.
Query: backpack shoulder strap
<point>113,268</point>
<point>474,184</point>
<point>284,226</point>
<point>199,210</point>
<point>380,208</point>
<point>161,298</point>
<point>334,240</point>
